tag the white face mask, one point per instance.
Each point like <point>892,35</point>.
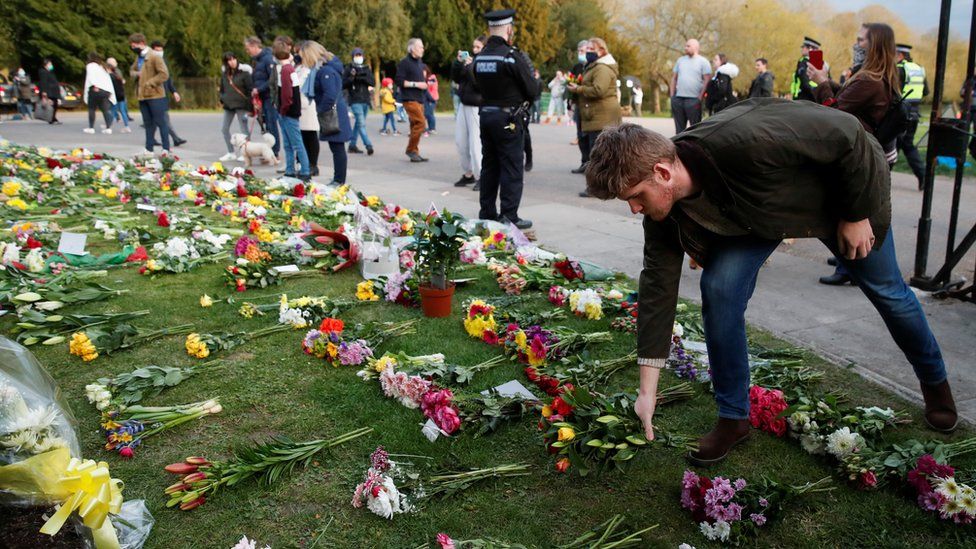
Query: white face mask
<point>358,60</point>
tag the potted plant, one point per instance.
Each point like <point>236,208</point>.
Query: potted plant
<point>438,240</point>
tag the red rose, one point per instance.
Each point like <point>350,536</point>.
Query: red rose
<point>298,191</point>
<point>562,465</point>
<point>162,219</point>
<point>33,242</point>
<point>561,407</point>
<point>241,190</point>
<point>52,163</point>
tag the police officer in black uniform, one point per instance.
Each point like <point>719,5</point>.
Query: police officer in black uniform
<point>508,88</point>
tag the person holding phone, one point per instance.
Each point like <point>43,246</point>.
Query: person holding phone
<point>866,95</point>
<point>802,87</point>
<point>467,129</point>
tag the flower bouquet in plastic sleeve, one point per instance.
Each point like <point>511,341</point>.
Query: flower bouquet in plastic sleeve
<point>41,468</point>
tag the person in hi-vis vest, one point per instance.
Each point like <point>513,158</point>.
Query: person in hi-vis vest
<point>914,87</point>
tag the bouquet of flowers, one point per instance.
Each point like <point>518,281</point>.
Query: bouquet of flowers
<point>267,462</point>
<point>766,407</point>
<point>126,427</point>
<point>305,311</point>
<point>536,345</point>
<point>244,274</point>
<point>180,254</point>
<point>350,347</point>
<point>871,467</point>
<point>391,488</point>
<point>201,345</point>
<point>106,340</point>
<point>823,426</point>
<point>427,366</point>
<point>728,511</point>
<point>129,388</point>
<point>589,431</point>
<point>479,319</point>
<point>940,492</point>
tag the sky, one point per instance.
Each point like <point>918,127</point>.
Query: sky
<point>923,15</point>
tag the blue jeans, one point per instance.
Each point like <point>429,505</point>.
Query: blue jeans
<point>388,118</point>
<point>120,111</point>
<point>429,115</point>
<point>271,121</point>
<point>359,111</point>
<point>729,279</point>
<point>291,136</point>
<point>153,116</point>
<point>25,108</point>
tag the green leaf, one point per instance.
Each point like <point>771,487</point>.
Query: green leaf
<point>607,419</point>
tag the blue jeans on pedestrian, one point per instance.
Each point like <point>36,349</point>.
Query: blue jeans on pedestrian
<point>25,108</point>
<point>291,136</point>
<point>120,111</point>
<point>388,118</point>
<point>153,116</point>
<point>429,115</point>
<point>271,118</point>
<point>359,111</point>
<point>729,279</point>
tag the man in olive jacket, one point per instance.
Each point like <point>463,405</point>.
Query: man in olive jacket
<point>151,73</point>
<point>726,192</point>
<point>597,95</point>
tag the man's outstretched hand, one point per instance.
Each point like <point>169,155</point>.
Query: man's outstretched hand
<point>855,239</point>
<point>647,399</point>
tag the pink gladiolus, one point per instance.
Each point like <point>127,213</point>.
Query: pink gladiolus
<point>193,504</point>
<point>180,468</point>
<point>197,460</point>
<point>194,477</point>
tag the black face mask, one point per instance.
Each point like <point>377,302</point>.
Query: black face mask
<point>591,56</point>
<point>136,50</point>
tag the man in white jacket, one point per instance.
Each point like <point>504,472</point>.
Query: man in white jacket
<point>99,93</point>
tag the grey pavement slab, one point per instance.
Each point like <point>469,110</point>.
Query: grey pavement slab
<point>838,323</point>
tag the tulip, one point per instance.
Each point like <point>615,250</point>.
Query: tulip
<point>562,465</point>
<point>194,477</point>
<point>53,340</point>
<point>178,487</point>
<point>193,504</point>
<point>180,468</point>
<point>126,452</point>
<point>197,460</point>
<point>546,411</point>
<point>566,434</point>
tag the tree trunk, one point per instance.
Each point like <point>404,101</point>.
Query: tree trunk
<point>657,99</point>
<point>376,78</point>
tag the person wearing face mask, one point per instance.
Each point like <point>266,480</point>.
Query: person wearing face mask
<point>866,95</point>
<point>467,136</point>
<point>151,75</point>
<point>582,48</point>
<point>598,102</point>
<point>802,87</point>
<point>49,88</point>
<point>24,90</point>
<point>358,82</point>
<point>157,47</point>
<point>508,88</point>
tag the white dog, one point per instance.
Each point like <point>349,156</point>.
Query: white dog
<point>255,149</point>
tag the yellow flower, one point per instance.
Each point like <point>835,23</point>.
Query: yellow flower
<point>364,291</point>
<point>256,201</point>
<point>372,200</point>
<point>11,188</point>
<point>112,192</point>
<point>476,326</point>
<point>546,411</point>
<point>384,362</point>
<point>566,434</point>
<point>217,167</point>
<point>81,345</point>
<point>593,311</point>
<point>17,203</point>
<point>520,339</point>
<point>195,347</point>
<point>46,177</point>
<point>206,301</point>
<point>332,350</point>
<point>247,310</point>
<point>535,360</point>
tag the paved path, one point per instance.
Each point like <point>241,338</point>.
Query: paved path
<point>836,322</point>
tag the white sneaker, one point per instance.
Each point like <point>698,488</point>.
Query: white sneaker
<point>240,158</point>
<point>89,130</point>
<point>227,157</point>
<point>126,129</point>
<point>147,152</point>
<point>107,131</point>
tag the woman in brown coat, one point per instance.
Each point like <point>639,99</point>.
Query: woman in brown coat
<point>867,94</point>
<point>597,93</point>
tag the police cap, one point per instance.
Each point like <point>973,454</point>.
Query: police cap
<point>903,48</point>
<point>499,18</point>
<point>811,43</point>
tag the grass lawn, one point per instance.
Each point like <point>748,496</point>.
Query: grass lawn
<point>269,387</point>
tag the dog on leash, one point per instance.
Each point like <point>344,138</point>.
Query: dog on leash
<point>255,149</point>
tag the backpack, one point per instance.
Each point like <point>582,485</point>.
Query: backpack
<point>896,121</point>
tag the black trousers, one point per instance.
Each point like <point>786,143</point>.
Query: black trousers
<point>99,100</point>
<point>687,111</point>
<point>584,155</point>
<point>502,165</point>
<point>310,138</point>
<point>528,144</point>
<point>587,139</point>
<point>906,144</point>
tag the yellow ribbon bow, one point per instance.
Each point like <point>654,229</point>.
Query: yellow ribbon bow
<point>82,485</point>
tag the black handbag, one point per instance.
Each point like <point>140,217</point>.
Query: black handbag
<point>329,122</point>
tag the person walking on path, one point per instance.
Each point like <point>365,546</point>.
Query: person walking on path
<point>557,99</point>
<point>388,106</point>
<point>170,88</point>
<point>690,76</point>
<point>914,86</point>
<point>120,110</point>
<point>358,82</point>
<point>597,96</point>
<point>802,87</point>
<point>263,64</point>
<point>582,49</point>
<point>430,101</point>
<point>98,92</point>
<point>467,129</point>
<point>24,90</point>
<point>328,97</point>
<point>718,93</point>
<point>410,79</point>
<point>290,110</point>
<point>638,98</point>
<point>837,191</point>
<point>867,94</point>
<point>50,88</point>
<point>762,85</point>
<point>151,75</point>
<point>235,98</point>
<point>308,122</point>
<point>504,76</point>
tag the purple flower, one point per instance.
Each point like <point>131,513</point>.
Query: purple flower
<point>722,491</point>
<point>739,484</point>
<point>380,459</point>
<point>687,501</point>
<point>394,285</point>
<point>733,512</point>
<point>354,353</point>
<point>763,502</point>
<point>689,480</point>
<point>931,501</point>
<point>758,518</point>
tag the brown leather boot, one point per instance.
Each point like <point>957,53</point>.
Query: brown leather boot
<point>940,408</point>
<point>716,445</point>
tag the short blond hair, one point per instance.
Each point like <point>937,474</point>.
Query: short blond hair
<point>599,43</point>
<point>312,52</point>
<point>622,157</point>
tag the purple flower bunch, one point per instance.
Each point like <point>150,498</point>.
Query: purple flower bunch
<point>240,248</point>
<point>354,353</point>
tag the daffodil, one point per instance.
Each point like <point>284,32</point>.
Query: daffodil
<point>11,188</point>
<point>365,292</point>
<point>206,301</point>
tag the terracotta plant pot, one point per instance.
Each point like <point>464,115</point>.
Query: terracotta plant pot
<point>436,303</point>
